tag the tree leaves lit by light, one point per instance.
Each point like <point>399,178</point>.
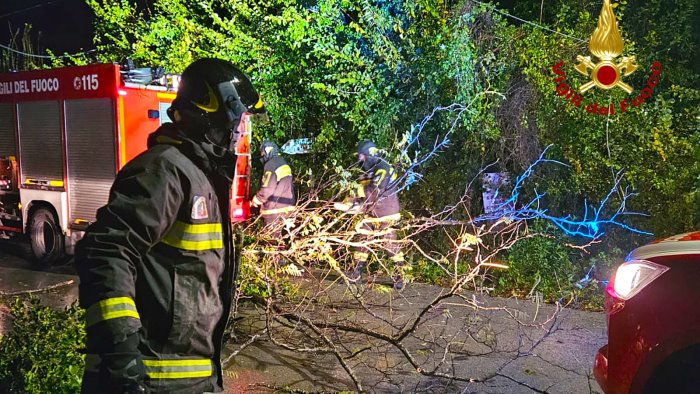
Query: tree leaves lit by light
<point>590,224</point>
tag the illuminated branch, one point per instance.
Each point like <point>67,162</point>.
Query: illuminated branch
<point>590,225</point>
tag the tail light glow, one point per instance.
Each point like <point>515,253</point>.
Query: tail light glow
<point>632,276</point>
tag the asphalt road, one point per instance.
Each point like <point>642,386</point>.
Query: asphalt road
<point>528,361</point>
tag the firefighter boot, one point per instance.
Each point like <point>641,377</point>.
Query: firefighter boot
<point>355,274</point>
<point>399,271</point>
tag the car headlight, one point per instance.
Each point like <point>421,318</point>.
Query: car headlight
<point>634,275</point>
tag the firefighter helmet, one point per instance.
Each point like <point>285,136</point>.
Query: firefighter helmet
<point>212,96</point>
<point>367,148</point>
<point>268,150</point>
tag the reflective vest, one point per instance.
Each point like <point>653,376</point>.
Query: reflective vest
<point>378,192</point>
<point>276,194</point>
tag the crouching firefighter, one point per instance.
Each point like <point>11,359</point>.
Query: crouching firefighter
<point>157,268</point>
<point>379,201</point>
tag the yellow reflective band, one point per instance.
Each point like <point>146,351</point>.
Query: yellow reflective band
<point>194,245</point>
<point>183,227</point>
<point>361,191</point>
<point>360,256</point>
<point>195,237</point>
<point>166,96</point>
<point>111,308</point>
<point>212,104</point>
<point>256,201</point>
<point>388,218</point>
<point>122,313</point>
<point>283,171</point>
<point>178,375</point>
<point>276,210</point>
<point>30,181</point>
<point>397,258</point>
<point>176,363</point>
<point>164,139</point>
<point>178,369</point>
<point>266,178</point>
<point>260,103</point>
<point>379,176</point>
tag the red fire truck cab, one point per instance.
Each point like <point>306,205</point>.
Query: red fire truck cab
<point>64,134</point>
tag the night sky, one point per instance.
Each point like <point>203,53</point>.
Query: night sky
<point>59,25</point>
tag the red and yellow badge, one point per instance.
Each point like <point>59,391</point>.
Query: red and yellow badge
<point>606,44</point>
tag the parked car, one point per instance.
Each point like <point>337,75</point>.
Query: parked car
<point>653,316</point>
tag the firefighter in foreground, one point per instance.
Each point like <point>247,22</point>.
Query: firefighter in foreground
<point>157,268</point>
<point>379,201</point>
<point>275,198</point>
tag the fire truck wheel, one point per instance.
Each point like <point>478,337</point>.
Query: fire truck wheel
<point>46,237</point>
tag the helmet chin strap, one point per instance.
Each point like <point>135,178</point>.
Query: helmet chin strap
<point>219,137</point>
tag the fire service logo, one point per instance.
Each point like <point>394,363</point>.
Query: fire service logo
<point>606,45</point>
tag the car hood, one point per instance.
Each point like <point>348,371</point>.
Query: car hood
<point>681,244</point>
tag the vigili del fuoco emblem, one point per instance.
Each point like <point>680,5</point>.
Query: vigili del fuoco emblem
<point>606,44</point>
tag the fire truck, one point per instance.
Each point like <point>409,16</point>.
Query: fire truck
<point>64,134</point>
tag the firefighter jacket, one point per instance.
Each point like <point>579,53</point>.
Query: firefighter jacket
<point>377,191</point>
<point>276,194</point>
<point>157,269</point>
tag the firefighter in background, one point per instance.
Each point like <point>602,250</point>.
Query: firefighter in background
<point>379,201</point>
<point>157,268</point>
<point>275,198</point>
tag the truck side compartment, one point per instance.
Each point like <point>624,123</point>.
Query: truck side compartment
<point>64,134</point>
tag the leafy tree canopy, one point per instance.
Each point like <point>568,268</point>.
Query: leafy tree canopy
<point>343,70</point>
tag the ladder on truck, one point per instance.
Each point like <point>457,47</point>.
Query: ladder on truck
<point>240,204</point>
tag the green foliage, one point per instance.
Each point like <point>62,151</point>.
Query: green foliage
<point>537,265</point>
<point>655,144</point>
<point>251,281</point>
<point>41,352</point>
<point>428,272</point>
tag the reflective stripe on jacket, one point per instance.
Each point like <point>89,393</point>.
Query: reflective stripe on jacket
<point>379,192</point>
<point>159,263</point>
<point>276,194</point>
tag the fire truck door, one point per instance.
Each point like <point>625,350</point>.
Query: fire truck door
<point>41,156</point>
<point>91,156</point>
<point>7,130</point>
<point>41,148</point>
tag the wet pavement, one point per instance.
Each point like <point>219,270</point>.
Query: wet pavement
<point>557,363</point>
<point>530,356</point>
<point>20,277</point>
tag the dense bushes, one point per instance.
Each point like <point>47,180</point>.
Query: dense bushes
<point>537,266</point>
<point>41,352</point>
